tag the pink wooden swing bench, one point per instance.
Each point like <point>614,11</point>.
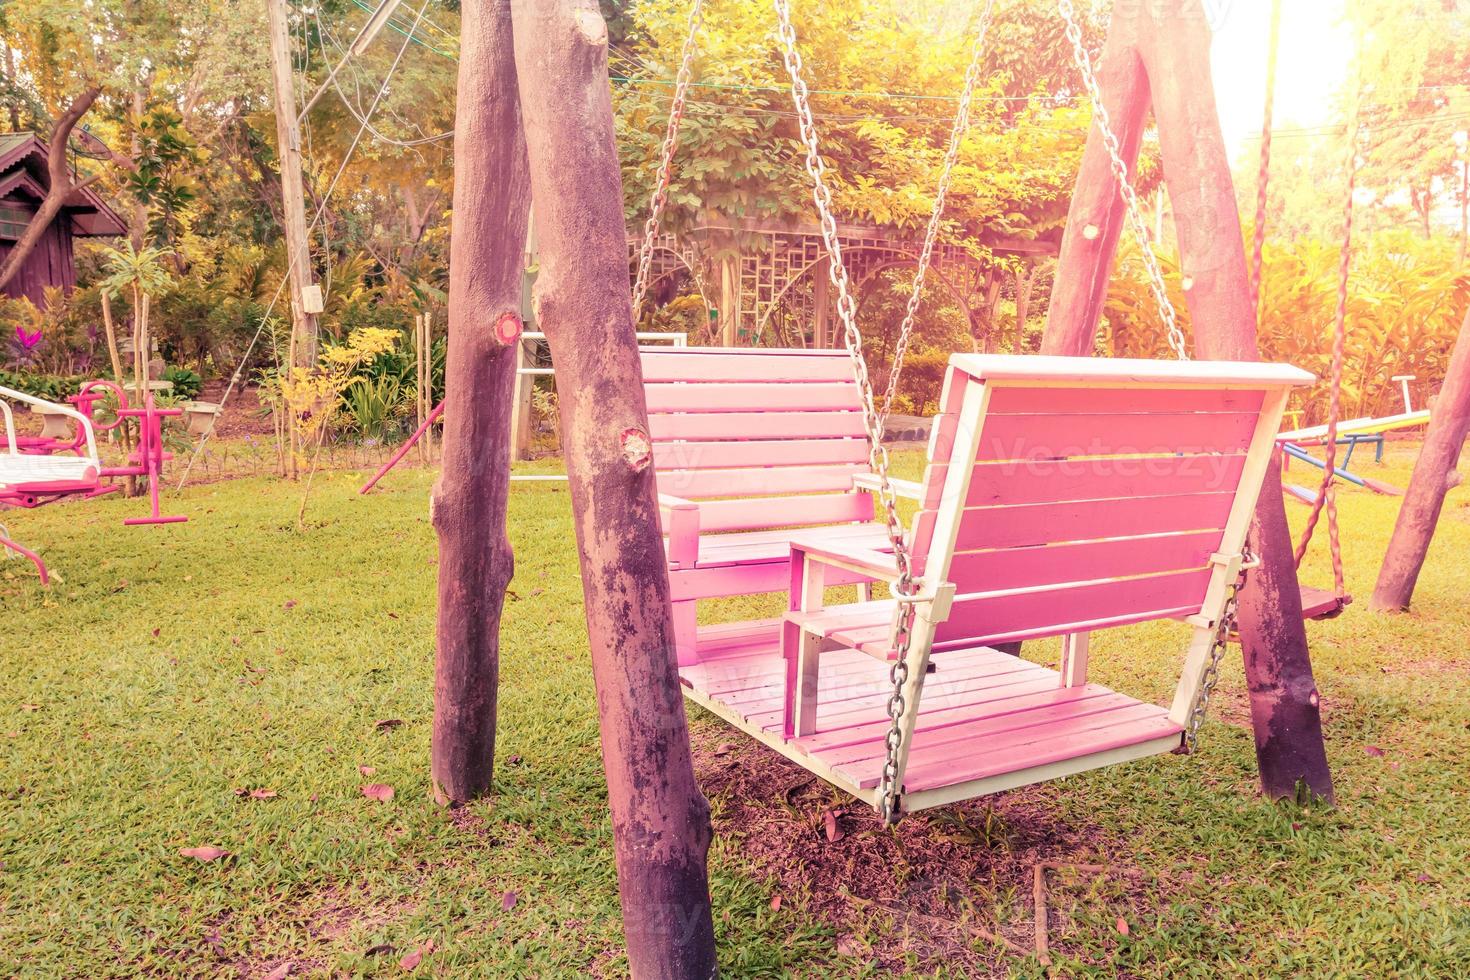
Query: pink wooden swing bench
<point>750,448</point>
<point>1062,496</point>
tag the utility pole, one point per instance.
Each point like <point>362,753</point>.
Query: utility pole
<point>305,295</point>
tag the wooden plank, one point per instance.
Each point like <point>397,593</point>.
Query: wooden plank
<point>1053,565</point>
<point>1029,437</point>
<point>1118,372</point>
<point>1036,524</point>
<point>694,484</point>
<point>762,425</point>
<point>847,744</point>
<point>1055,481</point>
<point>693,364</point>
<point>983,733</point>
<point>784,396</point>
<point>1123,401</point>
<point>737,515</point>
<point>1065,740</point>
<point>758,452</point>
<point>712,579</point>
<point>1026,611</point>
<point>994,746</point>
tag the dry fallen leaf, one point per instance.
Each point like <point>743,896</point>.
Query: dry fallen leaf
<point>263,794</point>
<point>280,972</point>
<point>508,900</point>
<point>366,770</point>
<point>378,950</point>
<point>381,792</point>
<point>847,946</point>
<point>205,854</point>
<point>724,748</point>
<point>829,820</point>
<point>1374,751</point>
<point>388,724</point>
<point>776,903</point>
<point>417,956</point>
<point>1122,925</point>
<point>290,604</point>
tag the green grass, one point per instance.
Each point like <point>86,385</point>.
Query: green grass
<point>172,666</point>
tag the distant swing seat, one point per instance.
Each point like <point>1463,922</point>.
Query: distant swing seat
<point>1062,496</point>
<point>751,448</point>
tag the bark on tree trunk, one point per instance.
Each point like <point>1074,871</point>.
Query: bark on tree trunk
<point>1171,46</point>
<point>492,197</point>
<point>661,823</point>
<point>1435,475</point>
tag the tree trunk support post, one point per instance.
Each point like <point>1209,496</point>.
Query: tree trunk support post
<point>660,820</point>
<point>1159,54</point>
<point>1435,475</point>
<point>492,199</point>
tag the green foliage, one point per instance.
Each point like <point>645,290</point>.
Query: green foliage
<point>1407,299</point>
<point>186,384</point>
<point>375,408</point>
<point>52,387</point>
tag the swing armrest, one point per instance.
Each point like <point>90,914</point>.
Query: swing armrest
<point>879,565</point>
<point>907,489</point>
<point>680,519</point>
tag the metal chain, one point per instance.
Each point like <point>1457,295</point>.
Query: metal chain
<point>889,790</point>
<point>1224,629</point>
<point>660,196</point>
<point>1136,219</point>
<point>1327,495</point>
<point>931,235</point>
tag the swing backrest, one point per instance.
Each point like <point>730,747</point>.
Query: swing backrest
<point>780,429</point>
<point>1071,494</point>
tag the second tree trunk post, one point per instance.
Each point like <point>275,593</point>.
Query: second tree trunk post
<point>660,820</point>
<point>492,197</point>
<point>1435,475</point>
<point>1165,47</point>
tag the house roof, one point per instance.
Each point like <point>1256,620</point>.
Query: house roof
<point>23,173</point>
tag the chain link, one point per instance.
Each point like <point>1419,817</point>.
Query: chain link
<point>1136,219</point>
<point>877,454</point>
<point>1224,630</point>
<point>931,235</point>
<point>671,141</point>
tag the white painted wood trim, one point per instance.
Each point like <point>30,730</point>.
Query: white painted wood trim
<point>1075,648</point>
<point>1121,372</point>
<point>945,795</point>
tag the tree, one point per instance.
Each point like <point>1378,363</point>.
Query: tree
<point>61,187</point>
<point>661,823</point>
<point>1435,474</point>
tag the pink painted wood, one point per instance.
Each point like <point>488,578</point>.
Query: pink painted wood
<point>706,364</point>
<point>765,442</point>
<point>694,484</point>
<point>783,396</point>
<point>1075,400</point>
<point>1049,436</point>
<point>1083,520</point>
<point>757,452</point>
<point>1058,564</point>
<point>762,425</point>
<point>1054,481</point>
<point>1150,597</point>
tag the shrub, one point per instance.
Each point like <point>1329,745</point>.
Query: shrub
<point>187,384</point>
<point>52,387</point>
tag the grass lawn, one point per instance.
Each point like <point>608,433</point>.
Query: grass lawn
<point>171,671</point>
